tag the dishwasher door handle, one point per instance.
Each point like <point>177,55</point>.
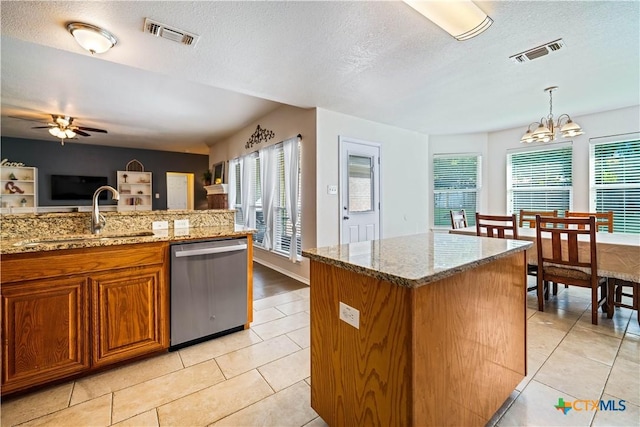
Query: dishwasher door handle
<point>207,251</point>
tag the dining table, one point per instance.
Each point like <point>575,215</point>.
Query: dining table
<point>618,253</point>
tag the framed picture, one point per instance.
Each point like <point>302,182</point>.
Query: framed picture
<point>218,173</point>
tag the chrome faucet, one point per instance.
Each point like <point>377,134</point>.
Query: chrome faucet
<point>97,219</point>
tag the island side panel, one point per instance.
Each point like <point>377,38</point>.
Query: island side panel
<point>469,343</point>
<point>360,376</point>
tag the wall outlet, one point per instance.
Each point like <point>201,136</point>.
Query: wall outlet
<point>157,195</point>
<point>332,189</point>
<point>160,225</point>
<point>180,223</point>
<point>350,315</point>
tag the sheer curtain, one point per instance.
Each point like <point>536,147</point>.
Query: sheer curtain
<point>247,199</point>
<point>268,181</point>
<point>232,183</point>
<point>291,155</point>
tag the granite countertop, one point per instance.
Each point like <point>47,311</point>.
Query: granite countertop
<point>77,241</point>
<point>417,259</point>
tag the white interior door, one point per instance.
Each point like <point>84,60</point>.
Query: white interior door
<point>359,190</point>
<point>178,191</point>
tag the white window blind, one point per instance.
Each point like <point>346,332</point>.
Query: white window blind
<point>615,182</point>
<point>256,203</point>
<point>456,183</point>
<point>283,224</point>
<point>540,180</point>
<point>237,203</point>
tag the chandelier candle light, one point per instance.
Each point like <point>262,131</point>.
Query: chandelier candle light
<point>546,130</point>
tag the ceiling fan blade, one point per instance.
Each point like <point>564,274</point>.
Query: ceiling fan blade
<point>40,127</point>
<point>28,119</point>
<point>91,129</point>
<point>79,132</point>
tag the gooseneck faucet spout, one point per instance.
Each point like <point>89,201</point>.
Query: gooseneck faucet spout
<point>97,220</point>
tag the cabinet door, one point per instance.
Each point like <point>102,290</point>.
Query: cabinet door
<point>44,331</point>
<point>127,314</point>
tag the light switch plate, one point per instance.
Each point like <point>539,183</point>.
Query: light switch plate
<point>350,315</point>
<point>160,225</point>
<point>180,223</point>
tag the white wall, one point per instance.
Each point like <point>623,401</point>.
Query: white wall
<point>404,175</point>
<point>625,120</point>
<point>462,143</point>
<point>285,122</point>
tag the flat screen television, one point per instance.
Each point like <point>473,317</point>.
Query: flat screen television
<point>76,187</point>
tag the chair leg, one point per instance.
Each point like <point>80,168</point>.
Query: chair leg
<point>555,288</point>
<point>594,305</point>
<point>539,292</point>
<point>604,294</point>
<point>611,284</point>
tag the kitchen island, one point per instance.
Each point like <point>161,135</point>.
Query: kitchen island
<point>434,329</point>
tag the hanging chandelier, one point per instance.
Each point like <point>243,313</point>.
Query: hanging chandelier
<point>547,128</point>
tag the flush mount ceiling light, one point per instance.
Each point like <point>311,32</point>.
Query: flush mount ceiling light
<point>92,38</point>
<point>546,128</point>
<point>460,18</point>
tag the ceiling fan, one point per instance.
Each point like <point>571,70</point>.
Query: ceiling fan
<point>62,127</point>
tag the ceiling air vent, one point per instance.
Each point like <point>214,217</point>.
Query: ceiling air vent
<point>159,29</point>
<point>537,52</point>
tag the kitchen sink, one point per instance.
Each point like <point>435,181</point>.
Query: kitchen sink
<point>78,238</point>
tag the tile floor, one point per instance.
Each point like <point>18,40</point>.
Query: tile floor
<point>261,376</point>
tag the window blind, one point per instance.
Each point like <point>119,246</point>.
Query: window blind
<point>615,182</point>
<point>256,203</point>
<point>238,201</point>
<point>283,222</point>
<point>540,180</point>
<point>456,185</point>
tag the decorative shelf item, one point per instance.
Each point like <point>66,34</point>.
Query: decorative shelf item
<point>135,190</point>
<point>19,187</point>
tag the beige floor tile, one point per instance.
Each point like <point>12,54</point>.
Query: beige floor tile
<point>287,371</point>
<point>213,403</point>
<point>503,409</point>
<point>96,412</point>
<point>535,406</point>
<point>117,379</point>
<point>531,312</point>
<point>294,307</point>
<point>573,374</point>
<point>543,338</point>
<point>316,422</point>
<point>627,417</point>
<point>634,327</point>
<point>301,336</point>
<point>535,360</point>
<point>592,345</point>
<point>558,319</point>
<point>275,300</point>
<point>20,409</point>
<point>249,358</point>
<point>266,315</point>
<point>303,292</point>
<point>624,381</point>
<point>282,326</point>
<point>146,419</point>
<point>289,407</point>
<point>571,303</point>
<point>614,327</point>
<point>630,348</point>
<point>308,380</point>
<point>217,347</point>
<point>150,394</point>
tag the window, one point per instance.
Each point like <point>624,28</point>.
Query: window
<point>540,180</point>
<point>456,184</point>
<point>283,232</point>
<point>615,182</point>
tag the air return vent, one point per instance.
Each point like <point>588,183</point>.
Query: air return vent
<point>159,29</point>
<point>537,52</point>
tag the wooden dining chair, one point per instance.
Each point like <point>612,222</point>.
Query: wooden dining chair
<point>603,219</point>
<point>616,291</point>
<point>458,219</point>
<point>503,227</point>
<point>528,218</point>
<point>560,261</point>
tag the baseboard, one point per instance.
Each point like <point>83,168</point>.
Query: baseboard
<point>282,270</point>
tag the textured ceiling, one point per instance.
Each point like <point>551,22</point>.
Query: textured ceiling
<point>381,61</point>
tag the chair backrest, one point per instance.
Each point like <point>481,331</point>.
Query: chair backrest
<point>503,227</point>
<point>458,219</point>
<point>563,250</point>
<point>603,219</point>
<point>528,218</point>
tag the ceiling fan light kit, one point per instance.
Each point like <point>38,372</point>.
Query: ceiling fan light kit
<point>462,18</point>
<point>547,129</point>
<point>92,38</point>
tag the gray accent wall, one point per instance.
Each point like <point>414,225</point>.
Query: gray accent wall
<point>51,158</point>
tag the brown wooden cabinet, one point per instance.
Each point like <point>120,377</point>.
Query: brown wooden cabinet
<point>72,311</point>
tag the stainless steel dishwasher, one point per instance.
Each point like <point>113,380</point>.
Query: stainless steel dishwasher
<point>208,289</point>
